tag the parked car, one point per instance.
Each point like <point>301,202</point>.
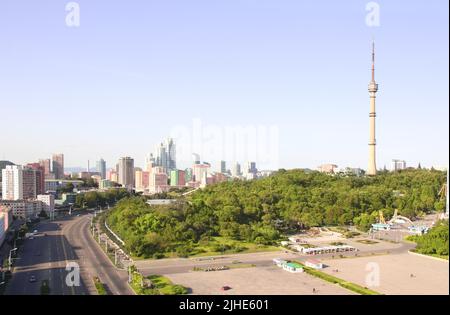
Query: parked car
<point>32,279</point>
<point>226,288</point>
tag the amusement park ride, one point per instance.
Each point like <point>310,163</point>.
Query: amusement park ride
<point>396,219</point>
<point>400,222</point>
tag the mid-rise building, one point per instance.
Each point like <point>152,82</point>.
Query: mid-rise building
<point>88,175</point>
<point>48,203</point>
<point>158,180</point>
<point>105,184</point>
<point>55,184</point>
<point>327,168</point>
<point>188,175</point>
<point>5,221</point>
<point>200,172</point>
<point>8,216</point>
<point>177,178</point>
<point>23,209</point>
<point>114,177</point>
<point>69,198</point>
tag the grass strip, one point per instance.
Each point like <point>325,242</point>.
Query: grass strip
<point>101,290</point>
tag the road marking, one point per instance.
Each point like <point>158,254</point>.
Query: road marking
<point>65,258</point>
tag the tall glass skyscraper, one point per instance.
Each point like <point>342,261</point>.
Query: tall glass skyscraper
<point>165,156</point>
<point>101,168</point>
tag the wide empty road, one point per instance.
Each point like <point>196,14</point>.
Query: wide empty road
<point>46,257</point>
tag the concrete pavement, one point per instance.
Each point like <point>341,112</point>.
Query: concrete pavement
<point>261,259</point>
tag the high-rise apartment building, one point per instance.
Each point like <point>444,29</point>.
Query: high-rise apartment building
<point>101,168</point>
<point>40,177</point>
<point>126,172</point>
<point>12,182</point>
<point>46,165</point>
<point>29,186</point>
<point>58,166</point>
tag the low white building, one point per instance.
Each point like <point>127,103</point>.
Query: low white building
<point>325,249</point>
<point>48,202</point>
<point>288,266</point>
<point>279,262</point>
<point>313,263</point>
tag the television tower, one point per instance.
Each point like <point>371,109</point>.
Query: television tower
<point>373,88</point>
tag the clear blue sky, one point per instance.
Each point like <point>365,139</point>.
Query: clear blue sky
<point>134,70</point>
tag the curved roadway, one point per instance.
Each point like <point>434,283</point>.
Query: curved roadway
<point>46,256</point>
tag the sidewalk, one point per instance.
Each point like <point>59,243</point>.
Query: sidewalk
<point>5,247</point>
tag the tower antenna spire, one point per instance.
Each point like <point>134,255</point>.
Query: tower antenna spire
<point>373,88</point>
<point>373,60</point>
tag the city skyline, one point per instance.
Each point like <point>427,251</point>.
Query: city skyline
<point>225,149</point>
<point>310,84</point>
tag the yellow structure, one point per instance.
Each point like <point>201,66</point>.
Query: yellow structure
<point>382,220</point>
